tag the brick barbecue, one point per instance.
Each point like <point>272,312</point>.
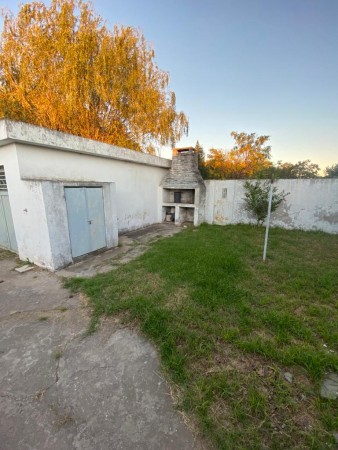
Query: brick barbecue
<point>183,189</point>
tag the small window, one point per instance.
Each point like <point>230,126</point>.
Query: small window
<point>224,192</point>
<point>3,184</point>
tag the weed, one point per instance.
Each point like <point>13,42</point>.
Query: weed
<point>43,318</point>
<point>58,354</point>
<point>6,254</point>
<point>64,420</point>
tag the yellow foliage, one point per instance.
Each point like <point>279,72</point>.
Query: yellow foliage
<point>61,68</point>
<point>249,156</point>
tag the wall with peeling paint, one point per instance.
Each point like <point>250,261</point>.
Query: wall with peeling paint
<point>39,163</point>
<point>29,222</point>
<point>136,184</point>
<point>310,205</point>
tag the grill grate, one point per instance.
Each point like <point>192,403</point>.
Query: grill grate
<point>3,184</point>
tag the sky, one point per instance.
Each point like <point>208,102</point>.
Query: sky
<point>260,66</point>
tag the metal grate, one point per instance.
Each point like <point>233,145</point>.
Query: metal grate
<point>3,184</point>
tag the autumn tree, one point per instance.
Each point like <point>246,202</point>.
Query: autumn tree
<point>218,164</point>
<point>332,171</point>
<point>249,155</point>
<point>62,68</point>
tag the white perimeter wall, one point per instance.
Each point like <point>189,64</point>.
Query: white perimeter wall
<point>311,205</point>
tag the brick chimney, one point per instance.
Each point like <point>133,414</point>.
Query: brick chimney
<point>184,173</point>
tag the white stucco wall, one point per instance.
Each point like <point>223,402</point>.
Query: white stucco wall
<point>28,212</point>
<point>136,184</point>
<point>311,204</point>
<point>39,163</point>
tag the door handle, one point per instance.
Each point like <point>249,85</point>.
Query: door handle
<point>90,222</point>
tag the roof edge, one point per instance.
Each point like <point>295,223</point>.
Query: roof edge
<point>24,133</point>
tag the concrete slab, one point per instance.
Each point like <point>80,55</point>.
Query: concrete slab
<point>24,268</point>
<point>61,389</point>
<point>37,290</point>
<point>131,245</point>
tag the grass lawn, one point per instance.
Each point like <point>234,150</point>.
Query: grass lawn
<point>228,326</point>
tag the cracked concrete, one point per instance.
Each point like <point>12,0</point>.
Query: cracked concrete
<point>131,245</point>
<point>61,389</point>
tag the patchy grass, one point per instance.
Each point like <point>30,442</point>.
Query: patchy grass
<point>43,318</point>
<point>66,419</point>
<point>228,326</point>
<point>5,254</point>
<point>58,354</point>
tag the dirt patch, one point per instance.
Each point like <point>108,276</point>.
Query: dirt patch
<point>177,298</point>
<point>5,254</point>
<point>257,392</point>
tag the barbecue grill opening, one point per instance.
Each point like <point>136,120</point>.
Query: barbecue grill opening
<point>177,197</point>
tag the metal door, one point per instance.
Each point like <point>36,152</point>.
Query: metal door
<point>85,210</point>
<point>7,233</point>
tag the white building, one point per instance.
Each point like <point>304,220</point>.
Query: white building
<point>63,196</point>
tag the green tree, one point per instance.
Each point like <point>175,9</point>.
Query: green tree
<point>256,198</point>
<point>249,155</point>
<point>305,169</point>
<point>62,68</point>
<point>332,171</point>
<point>201,161</point>
<point>286,170</point>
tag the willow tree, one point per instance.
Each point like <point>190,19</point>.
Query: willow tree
<point>62,68</point>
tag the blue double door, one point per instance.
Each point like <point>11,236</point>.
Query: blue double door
<point>85,210</point>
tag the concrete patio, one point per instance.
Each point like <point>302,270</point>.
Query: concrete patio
<point>62,389</point>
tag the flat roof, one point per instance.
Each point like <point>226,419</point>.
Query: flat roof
<point>24,133</point>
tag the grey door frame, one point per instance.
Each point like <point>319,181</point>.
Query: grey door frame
<point>57,222</point>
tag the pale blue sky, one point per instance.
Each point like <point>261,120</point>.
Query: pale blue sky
<point>264,66</point>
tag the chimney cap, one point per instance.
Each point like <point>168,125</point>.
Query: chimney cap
<point>177,151</point>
